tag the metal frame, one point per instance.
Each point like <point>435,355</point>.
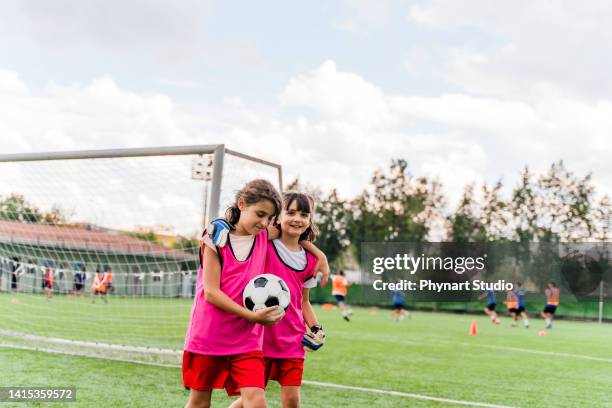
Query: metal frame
<point>218,151</point>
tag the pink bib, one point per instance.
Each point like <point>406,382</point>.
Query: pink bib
<point>213,331</point>
<point>284,339</point>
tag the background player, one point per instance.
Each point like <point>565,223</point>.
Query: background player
<point>552,301</point>
<point>512,305</point>
<point>79,281</point>
<point>108,280</point>
<point>491,304</point>
<point>520,294</point>
<point>98,287</point>
<point>399,309</point>
<point>48,283</point>
<point>339,290</point>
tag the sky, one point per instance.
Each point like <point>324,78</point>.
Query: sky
<point>464,91</point>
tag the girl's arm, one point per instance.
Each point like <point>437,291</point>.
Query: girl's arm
<point>314,338</point>
<point>308,312</point>
<point>322,264</point>
<point>214,294</point>
<point>273,232</point>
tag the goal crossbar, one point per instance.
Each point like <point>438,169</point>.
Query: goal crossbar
<point>217,150</point>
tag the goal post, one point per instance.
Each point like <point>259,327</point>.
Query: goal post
<point>132,214</point>
<point>218,152</point>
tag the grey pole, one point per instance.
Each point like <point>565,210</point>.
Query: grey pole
<point>111,153</point>
<point>215,190</point>
<point>601,303</point>
<point>205,219</point>
<point>218,151</point>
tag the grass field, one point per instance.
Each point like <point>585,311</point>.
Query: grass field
<point>429,355</point>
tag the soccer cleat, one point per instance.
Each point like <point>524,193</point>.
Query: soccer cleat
<point>345,317</point>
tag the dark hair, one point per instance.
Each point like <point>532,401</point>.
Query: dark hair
<point>341,273</point>
<point>554,285</point>
<point>253,192</point>
<point>306,204</point>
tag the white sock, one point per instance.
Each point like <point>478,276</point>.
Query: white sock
<point>548,322</point>
<point>526,321</point>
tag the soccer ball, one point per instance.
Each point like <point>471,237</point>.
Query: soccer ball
<point>264,291</point>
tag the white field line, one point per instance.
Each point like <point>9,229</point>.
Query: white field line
<point>158,351</point>
<point>312,383</point>
<point>542,352</point>
<point>73,353</point>
<point>90,344</point>
<point>404,394</point>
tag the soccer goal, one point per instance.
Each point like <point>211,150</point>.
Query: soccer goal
<point>98,249</point>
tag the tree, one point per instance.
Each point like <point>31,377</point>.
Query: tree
<point>16,208</point>
<point>187,244</point>
<point>564,204</point>
<point>394,208</point>
<point>331,218</point>
<point>465,223</point>
<point>495,216</point>
<point>149,236</point>
<point>601,219</point>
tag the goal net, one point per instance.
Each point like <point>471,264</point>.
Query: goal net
<point>98,249</point>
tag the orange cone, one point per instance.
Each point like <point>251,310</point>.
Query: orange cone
<point>473,329</point>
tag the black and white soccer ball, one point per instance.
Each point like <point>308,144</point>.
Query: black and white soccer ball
<point>264,291</point>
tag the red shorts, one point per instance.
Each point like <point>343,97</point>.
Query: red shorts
<point>287,371</point>
<point>203,373</point>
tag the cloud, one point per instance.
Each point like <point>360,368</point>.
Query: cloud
<point>165,33</point>
<point>11,84</point>
<point>180,83</point>
<point>535,47</point>
<point>332,128</point>
<point>79,116</point>
<point>363,15</point>
<point>339,95</point>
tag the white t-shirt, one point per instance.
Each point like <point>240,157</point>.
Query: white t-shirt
<point>295,259</point>
<point>241,245</point>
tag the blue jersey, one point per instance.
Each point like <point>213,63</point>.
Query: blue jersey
<point>490,296</point>
<point>520,294</point>
<point>398,296</point>
<point>79,278</point>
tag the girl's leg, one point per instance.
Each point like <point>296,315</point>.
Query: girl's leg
<point>236,404</point>
<point>253,397</point>
<point>199,399</point>
<point>290,396</point>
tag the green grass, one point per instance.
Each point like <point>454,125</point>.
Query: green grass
<point>429,354</point>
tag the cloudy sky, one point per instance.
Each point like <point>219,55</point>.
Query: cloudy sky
<point>467,90</point>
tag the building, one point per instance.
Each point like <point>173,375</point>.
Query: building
<point>140,268</point>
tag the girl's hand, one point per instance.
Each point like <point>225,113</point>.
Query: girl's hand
<point>268,316</point>
<point>323,266</point>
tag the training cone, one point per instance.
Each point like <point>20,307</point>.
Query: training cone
<point>473,329</point>
<point>542,333</point>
